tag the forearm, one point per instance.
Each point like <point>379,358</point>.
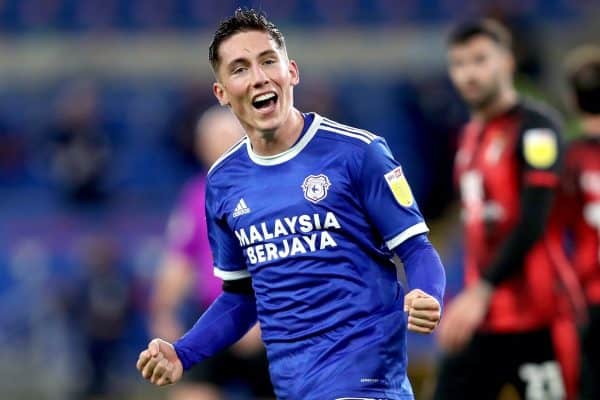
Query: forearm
<point>535,208</point>
<point>172,283</point>
<point>422,266</point>
<point>225,322</point>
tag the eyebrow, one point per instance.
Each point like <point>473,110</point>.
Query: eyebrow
<point>241,60</point>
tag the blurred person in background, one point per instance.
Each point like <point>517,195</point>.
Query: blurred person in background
<point>104,309</point>
<point>180,135</point>
<point>188,267</point>
<point>80,148</point>
<point>308,255</point>
<point>498,330</point>
<point>13,153</point>
<point>576,226</point>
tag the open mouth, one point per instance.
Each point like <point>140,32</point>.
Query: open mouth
<point>264,100</point>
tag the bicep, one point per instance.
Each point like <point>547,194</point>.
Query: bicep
<point>540,152</point>
<point>385,194</point>
<point>228,257</point>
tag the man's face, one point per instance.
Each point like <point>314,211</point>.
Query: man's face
<point>256,79</point>
<point>478,68</point>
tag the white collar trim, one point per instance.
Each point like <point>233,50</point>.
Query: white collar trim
<point>289,153</point>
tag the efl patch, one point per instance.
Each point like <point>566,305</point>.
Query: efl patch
<point>315,187</point>
<point>540,147</point>
<point>399,186</point>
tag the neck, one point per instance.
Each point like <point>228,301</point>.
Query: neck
<point>591,125</point>
<point>504,102</point>
<point>273,142</point>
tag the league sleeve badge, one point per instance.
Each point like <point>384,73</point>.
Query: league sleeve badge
<point>399,187</point>
<point>540,148</point>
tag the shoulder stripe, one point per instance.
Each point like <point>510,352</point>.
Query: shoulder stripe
<point>335,124</point>
<point>227,153</point>
<point>346,133</point>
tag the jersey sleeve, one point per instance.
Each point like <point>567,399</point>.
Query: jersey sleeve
<point>385,194</point>
<point>228,258</point>
<point>568,192</point>
<point>540,151</point>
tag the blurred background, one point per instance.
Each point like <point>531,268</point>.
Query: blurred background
<point>98,103</point>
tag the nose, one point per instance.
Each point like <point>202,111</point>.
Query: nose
<point>464,77</point>
<point>470,71</point>
<point>259,77</point>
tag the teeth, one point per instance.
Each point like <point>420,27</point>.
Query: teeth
<point>266,96</point>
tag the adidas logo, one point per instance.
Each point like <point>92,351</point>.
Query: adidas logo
<point>241,208</point>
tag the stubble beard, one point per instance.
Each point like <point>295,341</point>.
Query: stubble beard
<point>484,102</point>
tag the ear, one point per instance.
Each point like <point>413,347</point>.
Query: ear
<point>220,93</point>
<point>294,72</point>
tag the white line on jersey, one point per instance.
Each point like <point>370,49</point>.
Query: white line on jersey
<point>349,128</point>
<point>228,152</point>
<point>357,398</point>
<point>345,133</point>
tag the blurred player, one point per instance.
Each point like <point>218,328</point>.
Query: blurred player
<point>578,205</point>
<point>304,215</point>
<point>498,329</point>
<point>187,266</point>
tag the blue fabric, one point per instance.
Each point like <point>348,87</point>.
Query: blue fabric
<point>315,227</point>
<point>224,323</point>
<point>422,266</point>
<point>388,216</point>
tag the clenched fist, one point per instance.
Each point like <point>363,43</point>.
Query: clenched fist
<point>424,311</point>
<point>159,363</point>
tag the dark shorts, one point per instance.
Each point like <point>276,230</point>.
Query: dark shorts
<point>229,370</point>
<point>524,360</point>
<point>590,356</point>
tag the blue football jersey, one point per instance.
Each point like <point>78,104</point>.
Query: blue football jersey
<point>315,227</point>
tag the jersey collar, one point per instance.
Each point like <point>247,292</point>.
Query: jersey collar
<point>292,151</point>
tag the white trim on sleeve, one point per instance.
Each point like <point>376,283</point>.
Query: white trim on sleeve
<point>414,230</point>
<point>231,275</point>
<point>355,398</point>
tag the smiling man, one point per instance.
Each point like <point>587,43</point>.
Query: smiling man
<point>304,216</point>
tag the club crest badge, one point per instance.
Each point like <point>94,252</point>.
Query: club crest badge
<point>315,187</point>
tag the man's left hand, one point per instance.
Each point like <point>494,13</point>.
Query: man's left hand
<point>423,310</point>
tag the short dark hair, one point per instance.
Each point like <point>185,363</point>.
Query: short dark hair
<point>489,28</point>
<point>583,75</point>
<point>242,20</point>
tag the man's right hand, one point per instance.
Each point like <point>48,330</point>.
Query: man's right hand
<point>159,363</point>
